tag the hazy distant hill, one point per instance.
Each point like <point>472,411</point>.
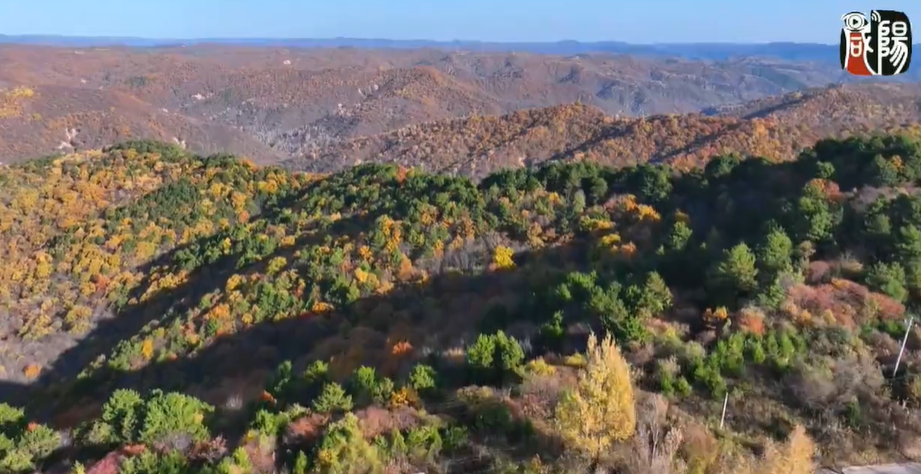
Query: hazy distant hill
<point>707,51</point>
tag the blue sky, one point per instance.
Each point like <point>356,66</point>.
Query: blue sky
<point>636,21</point>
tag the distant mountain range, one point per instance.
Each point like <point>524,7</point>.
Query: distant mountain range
<point>698,51</point>
<point>320,109</point>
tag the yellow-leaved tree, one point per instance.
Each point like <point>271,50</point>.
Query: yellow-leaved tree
<point>502,257</point>
<point>795,456</point>
<point>601,409</point>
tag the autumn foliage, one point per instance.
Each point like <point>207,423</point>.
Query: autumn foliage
<point>455,311</point>
<point>600,410</point>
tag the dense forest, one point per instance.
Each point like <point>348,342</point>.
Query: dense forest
<point>777,128</point>
<point>163,312</point>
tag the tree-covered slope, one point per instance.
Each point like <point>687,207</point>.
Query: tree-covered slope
<point>777,128</point>
<point>202,314</point>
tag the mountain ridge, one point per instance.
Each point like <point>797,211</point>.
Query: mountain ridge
<point>703,50</point>
<point>274,103</point>
<point>776,128</point>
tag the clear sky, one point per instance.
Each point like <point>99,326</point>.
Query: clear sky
<point>635,21</point>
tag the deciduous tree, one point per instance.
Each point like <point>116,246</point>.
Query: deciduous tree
<point>600,410</point>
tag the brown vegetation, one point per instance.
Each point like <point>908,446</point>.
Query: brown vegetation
<point>252,102</point>
<point>777,129</point>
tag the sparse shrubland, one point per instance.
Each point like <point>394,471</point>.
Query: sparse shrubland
<point>165,312</point>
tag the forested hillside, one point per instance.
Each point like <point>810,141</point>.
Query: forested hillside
<point>166,312</point>
<point>777,128</point>
<point>273,103</point>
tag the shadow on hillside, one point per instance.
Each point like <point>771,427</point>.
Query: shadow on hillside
<point>612,133</point>
<point>435,313</point>
<point>783,105</point>
<point>616,132</point>
<point>714,137</point>
<point>697,143</point>
<point>132,319</point>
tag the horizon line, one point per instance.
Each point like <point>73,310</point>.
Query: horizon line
<point>416,40</point>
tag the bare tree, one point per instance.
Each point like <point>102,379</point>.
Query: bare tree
<point>654,448</point>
